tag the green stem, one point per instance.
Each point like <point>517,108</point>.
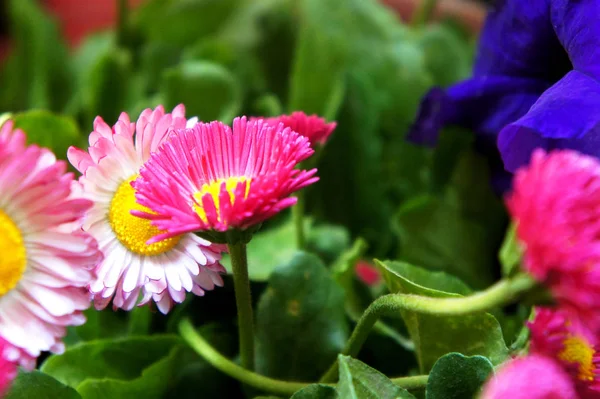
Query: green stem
<point>278,387</point>
<point>243,301</point>
<point>498,294</point>
<point>298,216</point>
<point>423,12</point>
<point>122,28</point>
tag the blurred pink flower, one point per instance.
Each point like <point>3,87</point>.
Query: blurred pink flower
<point>367,273</point>
<point>47,260</point>
<point>315,128</point>
<point>556,205</point>
<point>531,377</point>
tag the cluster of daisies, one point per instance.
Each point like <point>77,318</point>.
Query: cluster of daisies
<point>123,233</point>
<point>555,203</point>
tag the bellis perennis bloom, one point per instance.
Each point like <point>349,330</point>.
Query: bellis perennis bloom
<point>8,368</point>
<point>571,344</point>
<point>46,260</point>
<point>163,271</point>
<point>530,377</point>
<point>556,205</point>
<point>214,178</point>
<point>313,127</point>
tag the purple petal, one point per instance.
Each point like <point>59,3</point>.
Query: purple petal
<point>578,28</point>
<point>566,116</point>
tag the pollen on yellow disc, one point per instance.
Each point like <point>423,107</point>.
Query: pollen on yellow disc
<point>579,352</point>
<point>214,188</point>
<point>133,232</point>
<point>14,255</point>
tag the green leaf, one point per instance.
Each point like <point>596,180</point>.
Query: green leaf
<point>318,72</point>
<point>447,54</point>
<point>300,321</point>
<point>359,381</point>
<point>435,234</point>
<point>477,334</point>
<point>140,319</point>
<point>49,130</point>
<point>36,384</point>
<point>182,22</point>
<point>268,250</point>
<point>209,91</point>
<point>455,376</point>
<point>328,241</point>
<point>38,74</point>
<point>316,391</point>
<point>101,324</point>
<point>511,251</point>
<point>107,90</point>
<point>87,365</point>
<point>152,384</point>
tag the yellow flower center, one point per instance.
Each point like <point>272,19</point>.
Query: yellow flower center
<point>13,258</point>
<point>133,232</point>
<point>578,351</point>
<point>214,189</point>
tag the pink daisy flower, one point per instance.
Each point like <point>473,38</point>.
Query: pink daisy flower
<point>47,260</point>
<point>8,368</point>
<point>572,345</point>
<point>315,128</point>
<point>213,178</point>
<point>164,271</point>
<point>530,377</point>
<point>556,205</point>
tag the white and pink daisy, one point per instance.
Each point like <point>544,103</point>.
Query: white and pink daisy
<point>313,127</point>
<point>214,178</point>
<point>132,271</point>
<point>47,261</point>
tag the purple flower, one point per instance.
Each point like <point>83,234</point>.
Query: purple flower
<point>536,82</point>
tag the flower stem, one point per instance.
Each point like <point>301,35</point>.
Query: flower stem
<point>501,293</point>
<point>278,387</point>
<point>423,12</point>
<point>243,300</point>
<point>298,216</point>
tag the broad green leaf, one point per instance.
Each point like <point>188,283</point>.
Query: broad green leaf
<point>435,234</point>
<point>300,321</point>
<point>359,381</point>
<point>318,71</point>
<point>152,384</point>
<point>118,359</point>
<point>37,74</point>
<point>434,336</point>
<point>101,324</point>
<point>511,251</point>
<point>328,241</point>
<point>447,54</point>
<point>316,391</point>
<point>49,130</point>
<point>455,376</point>
<point>268,250</point>
<point>420,278</point>
<point>105,87</point>
<point>38,385</point>
<point>209,91</point>
<point>182,22</point>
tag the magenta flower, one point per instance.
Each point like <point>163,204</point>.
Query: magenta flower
<point>46,261</point>
<point>213,178</point>
<point>556,205</point>
<point>163,272</point>
<point>8,368</point>
<point>315,128</point>
<point>531,377</point>
<point>570,344</point>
